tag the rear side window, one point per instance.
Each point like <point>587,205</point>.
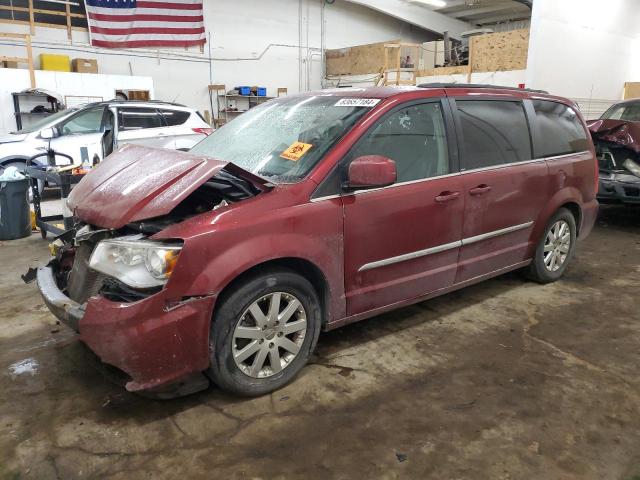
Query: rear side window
<point>494,133</point>
<point>139,118</point>
<point>175,117</point>
<point>561,131</point>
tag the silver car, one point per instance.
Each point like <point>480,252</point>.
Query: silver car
<point>92,131</point>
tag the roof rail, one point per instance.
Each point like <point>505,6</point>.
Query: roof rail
<point>476,85</point>
<point>115,100</point>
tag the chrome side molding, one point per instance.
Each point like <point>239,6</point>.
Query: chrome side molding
<point>410,256</point>
<point>442,248</point>
<point>495,233</point>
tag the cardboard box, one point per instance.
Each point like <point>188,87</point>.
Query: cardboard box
<point>9,64</point>
<point>84,65</point>
<point>57,63</point>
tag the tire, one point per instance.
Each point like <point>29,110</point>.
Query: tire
<point>544,268</point>
<point>238,329</point>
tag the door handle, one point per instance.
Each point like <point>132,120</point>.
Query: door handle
<point>447,196</point>
<point>480,189</point>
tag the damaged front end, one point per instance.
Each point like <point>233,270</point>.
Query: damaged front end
<point>617,145</point>
<point>112,281</point>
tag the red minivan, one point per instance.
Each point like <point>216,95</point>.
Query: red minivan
<point>310,212</point>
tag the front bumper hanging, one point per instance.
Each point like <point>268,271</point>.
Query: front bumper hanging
<point>65,309</point>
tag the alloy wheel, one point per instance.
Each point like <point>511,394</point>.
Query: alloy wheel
<point>269,335</point>
<point>557,245</point>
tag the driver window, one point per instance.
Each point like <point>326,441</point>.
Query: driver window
<point>88,121</point>
<point>414,137</point>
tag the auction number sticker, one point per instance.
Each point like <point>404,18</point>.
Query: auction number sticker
<point>357,102</point>
<point>295,151</point>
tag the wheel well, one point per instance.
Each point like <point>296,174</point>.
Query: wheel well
<point>7,161</point>
<point>574,208</point>
<point>298,265</point>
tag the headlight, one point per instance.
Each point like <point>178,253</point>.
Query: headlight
<point>632,166</point>
<point>138,263</point>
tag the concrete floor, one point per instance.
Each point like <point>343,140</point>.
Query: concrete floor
<point>504,380</point>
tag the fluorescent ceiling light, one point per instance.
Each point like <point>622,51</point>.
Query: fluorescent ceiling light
<point>431,3</point>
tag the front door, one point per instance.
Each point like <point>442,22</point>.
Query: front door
<point>505,189</point>
<point>80,136</point>
<point>402,241</point>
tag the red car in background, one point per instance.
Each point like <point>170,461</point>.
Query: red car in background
<point>616,135</point>
<point>311,212</point>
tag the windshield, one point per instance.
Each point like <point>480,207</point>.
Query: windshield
<point>284,139</point>
<point>46,121</point>
<point>629,112</point>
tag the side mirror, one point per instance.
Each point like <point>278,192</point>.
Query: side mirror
<point>48,133</point>
<point>371,171</point>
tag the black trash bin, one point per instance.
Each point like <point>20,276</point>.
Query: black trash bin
<point>15,218</point>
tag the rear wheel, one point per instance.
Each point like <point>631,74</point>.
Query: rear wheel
<point>555,248</point>
<point>264,332</point>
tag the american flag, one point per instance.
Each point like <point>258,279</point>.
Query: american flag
<point>143,23</point>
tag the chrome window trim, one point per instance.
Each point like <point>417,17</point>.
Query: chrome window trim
<point>524,162</point>
<point>401,184</point>
<point>443,248</point>
<point>461,172</point>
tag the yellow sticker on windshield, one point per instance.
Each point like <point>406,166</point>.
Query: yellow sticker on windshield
<point>296,151</point>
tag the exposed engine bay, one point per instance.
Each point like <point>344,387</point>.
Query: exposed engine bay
<point>73,249</point>
<point>617,145</point>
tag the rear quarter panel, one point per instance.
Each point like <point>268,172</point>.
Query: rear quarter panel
<point>572,178</point>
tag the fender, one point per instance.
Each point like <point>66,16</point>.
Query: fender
<point>211,261</point>
<point>561,197</point>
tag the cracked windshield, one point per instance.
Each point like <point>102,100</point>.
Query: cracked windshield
<point>284,139</point>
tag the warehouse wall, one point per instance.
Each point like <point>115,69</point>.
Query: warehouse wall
<point>584,49</point>
<point>67,85</point>
<point>253,42</point>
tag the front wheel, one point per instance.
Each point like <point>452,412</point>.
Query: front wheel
<point>264,332</point>
<point>555,248</point>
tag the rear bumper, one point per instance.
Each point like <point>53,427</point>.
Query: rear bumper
<point>154,344</point>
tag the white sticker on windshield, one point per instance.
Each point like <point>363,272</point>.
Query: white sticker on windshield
<point>357,102</point>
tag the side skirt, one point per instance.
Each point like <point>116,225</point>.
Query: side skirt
<point>421,298</point>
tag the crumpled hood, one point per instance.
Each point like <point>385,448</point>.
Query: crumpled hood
<point>13,137</point>
<point>624,133</point>
<point>136,183</point>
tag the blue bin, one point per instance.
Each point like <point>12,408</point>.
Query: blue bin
<point>262,92</point>
<point>244,90</point>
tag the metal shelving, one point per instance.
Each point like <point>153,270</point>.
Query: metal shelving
<point>32,97</point>
<point>225,109</point>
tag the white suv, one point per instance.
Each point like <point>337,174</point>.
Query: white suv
<point>95,129</point>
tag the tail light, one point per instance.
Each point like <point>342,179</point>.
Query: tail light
<point>203,131</point>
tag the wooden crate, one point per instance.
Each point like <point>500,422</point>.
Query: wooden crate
<point>502,51</point>
<point>357,60</point>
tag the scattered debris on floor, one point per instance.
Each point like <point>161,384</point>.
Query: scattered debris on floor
<point>23,367</point>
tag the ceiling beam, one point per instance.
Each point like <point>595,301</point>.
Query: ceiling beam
<point>524,15</point>
<point>472,11</point>
<point>419,15</point>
